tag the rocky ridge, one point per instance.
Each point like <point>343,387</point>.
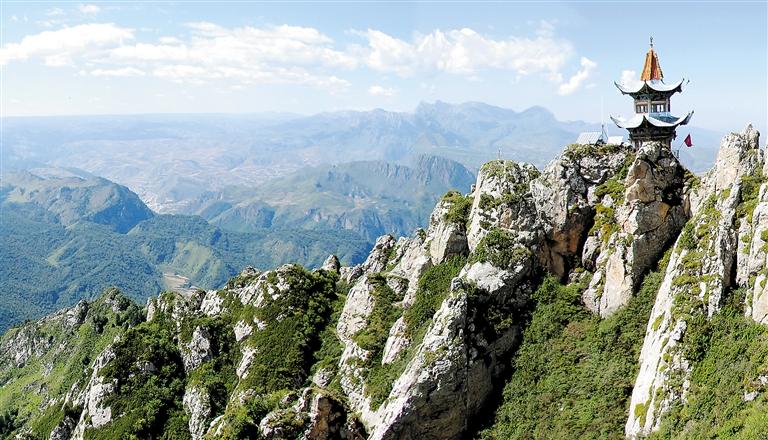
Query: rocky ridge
<point>417,341</point>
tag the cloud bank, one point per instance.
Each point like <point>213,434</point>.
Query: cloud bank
<point>296,54</point>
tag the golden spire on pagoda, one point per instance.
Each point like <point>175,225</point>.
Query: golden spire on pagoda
<point>652,68</point>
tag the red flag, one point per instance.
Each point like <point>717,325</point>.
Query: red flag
<point>688,141</point>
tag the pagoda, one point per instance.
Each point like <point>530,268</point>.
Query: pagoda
<point>653,120</point>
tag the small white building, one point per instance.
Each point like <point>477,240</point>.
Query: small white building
<point>592,138</point>
<point>598,138</point>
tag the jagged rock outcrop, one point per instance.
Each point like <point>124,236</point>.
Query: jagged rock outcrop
<point>197,404</point>
<point>565,199</point>
<point>460,351</point>
<point>417,341</point>
<point>447,237</point>
<point>701,269</point>
<point>328,419</point>
<point>96,412</point>
<point>637,216</point>
<point>501,199</point>
<point>331,264</point>
<point>197,350</point>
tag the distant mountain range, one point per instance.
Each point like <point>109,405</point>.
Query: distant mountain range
<point>66,237</point>
<point>174,161</point>
<point>370,198</point>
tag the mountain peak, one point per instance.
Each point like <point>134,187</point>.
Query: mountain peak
<point>73,198</point>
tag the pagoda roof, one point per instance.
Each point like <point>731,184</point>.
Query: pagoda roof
<point>655,119</point>
<point>651,68</point>
<point>654,85</point>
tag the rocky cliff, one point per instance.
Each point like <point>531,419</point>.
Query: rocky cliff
<point>597,293</point>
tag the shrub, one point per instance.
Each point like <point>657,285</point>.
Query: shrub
<point>498,248</point>
<point>750,190</point>
<point>434,286</point>
<point>458,211</point>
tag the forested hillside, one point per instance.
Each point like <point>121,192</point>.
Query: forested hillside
<point>70,238</point>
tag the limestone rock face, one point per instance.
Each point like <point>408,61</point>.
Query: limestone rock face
<point>242,330</point>
<point>358,306</point>
<point>414,259</point>
<point>739,156</point>
<point>753,260</point>
<point>379,257</point>
<point>396,343</point>
<point>636,230</point>
<point>565,199</point>
<point>452,360</point>
<point>434,376</point>
<point>95,413</point>
<point>63,431</point>
<point>211,305</point>
<point>353,319</point>
<point>197,405</point>
<point>331,264</point>
<point>447,238</point>
<point>459,352</point>
<point>350,274</point>
<point>25,345</point>
<point>740,159</point>
<point>197,350</point>
<point>502,200</point>
<point>702,267</point>
<point>328,420</point>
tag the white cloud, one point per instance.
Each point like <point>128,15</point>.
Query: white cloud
<point>55,12</point>
<point>275,54</point>
<point>169,40</point>
<point>179,71</point>
<point>381,91</point>
<point>629,78</point>
<point>297,55</point>
<point>546,29</point>
<point>573,84</point>
<point>464,52</point>
<point>89,9</point>
<point>58,48</point>
<point>124,71</point>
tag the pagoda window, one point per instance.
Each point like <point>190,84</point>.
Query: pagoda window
<point>641,108</point>
<point>658,107</point>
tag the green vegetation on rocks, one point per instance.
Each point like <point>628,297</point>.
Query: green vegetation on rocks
<point>728,355</point>
<point>502,169</point>
<point>149,384</point>
<point>458,212</point>
<point>294,321</point>
<point>374,336</point>
<point>580,151</point>
<point>605,214</point>
<point>434,285</point>
<point>573,374</point>
<point>750,190</point>
<point>498,248</point>
<point>61,363</point>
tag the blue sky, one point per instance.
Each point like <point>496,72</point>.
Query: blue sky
<point>121,57</point>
